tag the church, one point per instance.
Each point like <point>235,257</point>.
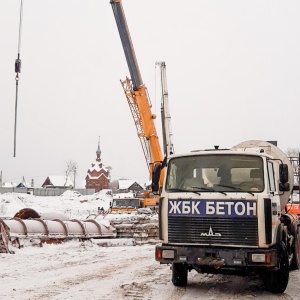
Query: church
<point>98,176</point>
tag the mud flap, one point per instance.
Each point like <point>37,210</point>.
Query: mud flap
<point>296,248</point>
<point>277,281</point>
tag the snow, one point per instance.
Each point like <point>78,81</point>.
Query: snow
<point>96,177</point>
<point>69,194</point>
<point>98,166</point>
<point>124,195</point>
<point>107,268</point>
<point>9,184</point>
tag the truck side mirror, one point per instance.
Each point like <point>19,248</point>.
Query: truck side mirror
<point>283,173</point>
<point>284,187</point>
<point>155,177</point>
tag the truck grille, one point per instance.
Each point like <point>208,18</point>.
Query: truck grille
<point>225,231</point>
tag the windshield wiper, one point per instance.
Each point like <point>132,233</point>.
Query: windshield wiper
<point>201,188</point>
<point>235,188</point>
<point>198,189</point>
<point>183,190</point>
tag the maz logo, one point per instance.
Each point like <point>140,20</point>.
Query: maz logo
<point>210,233</point>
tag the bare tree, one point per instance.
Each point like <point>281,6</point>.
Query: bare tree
<point>113,185</point>
<point>71,169</point>
<point>109,168</point>
<point>293,154</point>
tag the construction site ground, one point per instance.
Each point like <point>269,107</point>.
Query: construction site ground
<point>76,270</point>
<point>118,268</point>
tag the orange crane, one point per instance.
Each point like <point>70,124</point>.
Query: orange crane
<point>138,99</point>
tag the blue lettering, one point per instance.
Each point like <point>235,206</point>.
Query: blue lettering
<point>213,208</point>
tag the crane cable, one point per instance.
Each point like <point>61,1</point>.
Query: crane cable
<point>18,71</point>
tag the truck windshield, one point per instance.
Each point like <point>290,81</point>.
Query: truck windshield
<point>220,173</point>
<point>125,203</point>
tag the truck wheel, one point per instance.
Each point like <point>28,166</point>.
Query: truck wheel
<point>277,281</point>
<point>296,251</point>
<point>179,274</point>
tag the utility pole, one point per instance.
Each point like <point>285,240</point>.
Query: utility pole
<point>75,169</point>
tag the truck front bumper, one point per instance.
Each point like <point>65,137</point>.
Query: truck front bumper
<point>216,257</point>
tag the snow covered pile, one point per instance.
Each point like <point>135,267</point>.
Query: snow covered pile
<point>69,194</point>
<point>70,203</point>
<point>10,204</point>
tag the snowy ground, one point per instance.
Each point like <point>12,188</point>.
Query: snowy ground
<point>76,270</point>
<point>86,271</point>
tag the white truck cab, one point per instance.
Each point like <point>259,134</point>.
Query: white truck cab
<point>223,211</point>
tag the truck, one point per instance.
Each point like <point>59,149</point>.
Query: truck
<point>223,211</point>
<point>126,205</point>
<point>132,204</point>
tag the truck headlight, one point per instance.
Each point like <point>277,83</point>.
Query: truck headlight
<point>258,257</point>
<point>168,254</point>
<point>267,257</point>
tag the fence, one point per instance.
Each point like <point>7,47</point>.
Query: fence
<point>44,192</point>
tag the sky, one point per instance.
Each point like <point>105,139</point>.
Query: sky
<point>232,70</point>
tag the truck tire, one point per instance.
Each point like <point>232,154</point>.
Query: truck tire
<point>295,264</point>
<point>277,281</point>
<point>179,274</point>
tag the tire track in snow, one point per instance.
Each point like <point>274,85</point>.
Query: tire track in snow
<point>114,268</point>
<point>129,273</point>
<point>60,286</point>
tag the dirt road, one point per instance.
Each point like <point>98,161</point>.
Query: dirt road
<point>86,271</point>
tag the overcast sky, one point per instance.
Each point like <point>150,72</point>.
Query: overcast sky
<point>233,73</point>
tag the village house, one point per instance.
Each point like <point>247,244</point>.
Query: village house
<point>126,186</point>
<point>58,181</point>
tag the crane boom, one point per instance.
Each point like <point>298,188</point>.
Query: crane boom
<point>127,43</point>
<point>165,111</point>
<point>137,96</point>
